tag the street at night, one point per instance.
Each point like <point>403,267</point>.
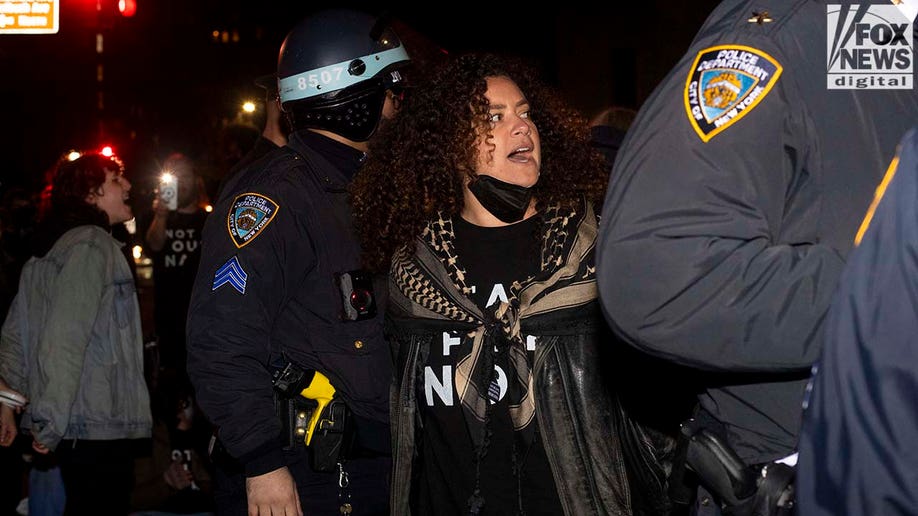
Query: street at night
<point>312,257</point>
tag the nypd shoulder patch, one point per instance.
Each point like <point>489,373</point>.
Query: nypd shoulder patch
<point>724,84</point>
<point>249,216</point>
<point>231,273</point>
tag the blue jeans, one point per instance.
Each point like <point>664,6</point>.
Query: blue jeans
<point>46,492</point>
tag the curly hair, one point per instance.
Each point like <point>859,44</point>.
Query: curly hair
<point>418,162</point>
<point>64,205</point>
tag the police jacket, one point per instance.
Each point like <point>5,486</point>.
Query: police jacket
<point>72,342</point>
<point>603,462</point>
<point>734,199</point>
<point>857,447</point>
<point>266,288</point>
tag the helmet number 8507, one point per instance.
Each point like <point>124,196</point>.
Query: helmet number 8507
<point>323,77</point>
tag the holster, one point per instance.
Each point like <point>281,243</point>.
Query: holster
<point>333,437</point>
<point>741,490</point>
<point>293,413</point>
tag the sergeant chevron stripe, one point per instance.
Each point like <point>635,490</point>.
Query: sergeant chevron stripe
<point>231,272</point>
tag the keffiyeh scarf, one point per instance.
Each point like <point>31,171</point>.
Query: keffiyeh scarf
<point>431,281</point>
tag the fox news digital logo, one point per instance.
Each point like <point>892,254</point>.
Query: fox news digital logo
<point>869,47</point>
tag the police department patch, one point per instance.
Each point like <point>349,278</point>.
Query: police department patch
<point>250,215</point>
<point>724,84</point>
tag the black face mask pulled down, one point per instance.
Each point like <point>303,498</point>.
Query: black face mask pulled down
<point>506,201</point>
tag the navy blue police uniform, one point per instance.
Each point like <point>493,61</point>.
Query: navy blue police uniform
<point>733,202</point>
<point>266,292</point>
<point>857,447</point>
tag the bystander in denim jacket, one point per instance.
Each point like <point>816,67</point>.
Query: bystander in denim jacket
<point>72,342</point>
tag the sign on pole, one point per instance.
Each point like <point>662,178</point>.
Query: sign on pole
<point>29,16</point>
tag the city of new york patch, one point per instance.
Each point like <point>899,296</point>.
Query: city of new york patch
<point>250,215</point>
<point>724,84</point>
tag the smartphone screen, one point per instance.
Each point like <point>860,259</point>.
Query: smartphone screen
<point>168,190</point>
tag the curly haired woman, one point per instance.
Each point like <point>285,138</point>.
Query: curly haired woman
<point>479,199</point>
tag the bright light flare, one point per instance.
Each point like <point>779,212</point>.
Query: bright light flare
<point>73,155</point>
<point>248,107</point>
<point>107,151</point>
<point>127,8</point>
<point>137,251</point>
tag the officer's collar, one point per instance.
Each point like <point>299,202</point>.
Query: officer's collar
<point>343,157</point>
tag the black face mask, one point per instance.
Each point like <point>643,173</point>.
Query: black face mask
<point>508,202</point>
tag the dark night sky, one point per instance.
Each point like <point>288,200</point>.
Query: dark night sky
<point>168,85</point>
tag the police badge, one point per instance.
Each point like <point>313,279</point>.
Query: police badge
<point>724,84</point>
<point>250,215</point>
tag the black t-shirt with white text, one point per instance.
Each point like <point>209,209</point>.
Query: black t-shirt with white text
<point>493,258</point>
<point>174,270</point>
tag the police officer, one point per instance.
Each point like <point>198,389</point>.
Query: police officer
<point>279,282</point>
<point>857,448</point>
<point>735,197</point>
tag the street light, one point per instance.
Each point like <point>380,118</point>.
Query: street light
<point>127,8</point>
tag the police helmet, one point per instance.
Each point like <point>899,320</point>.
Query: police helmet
<point>334,69</point>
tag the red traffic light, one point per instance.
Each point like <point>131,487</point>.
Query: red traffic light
<point>127,8</point>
